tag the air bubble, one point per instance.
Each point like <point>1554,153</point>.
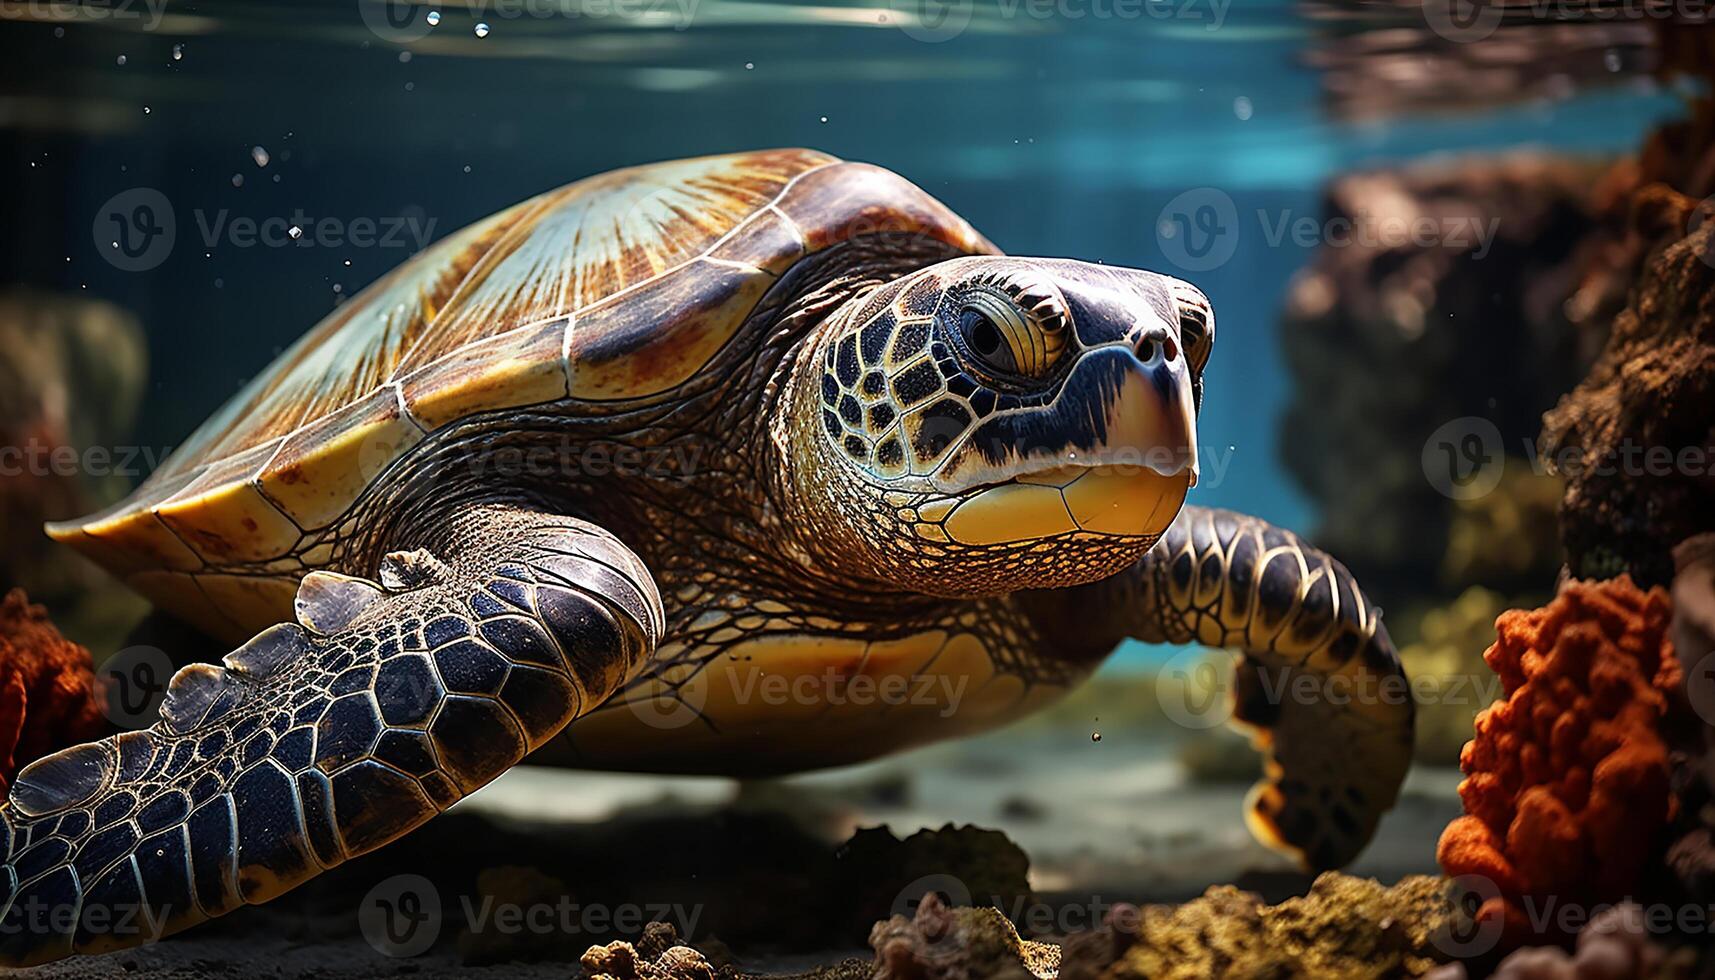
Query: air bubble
<point>120,61</point>
<point>238,180</point>
<point>481,29</point>
<point>260,155</point>
<point>1242,108</point>
<point>178,52</point>
<point>434,18</point>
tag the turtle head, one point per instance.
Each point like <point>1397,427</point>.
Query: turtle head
<point>989,424</point>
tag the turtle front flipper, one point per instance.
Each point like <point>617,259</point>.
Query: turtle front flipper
<point>1321,686</point>
<point>323,739</point>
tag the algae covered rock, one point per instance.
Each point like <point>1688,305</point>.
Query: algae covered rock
<point>1635,439</point>
<point>1343,927</point>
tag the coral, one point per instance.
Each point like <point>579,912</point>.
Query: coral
<point>1634,439</point>
<point>1567,779</point>
<point>47,688</point>
<point>1615,945</point>
<point>1445,660</point>
<point>658,955</point>
<point>1378,337</point>
<point>1343,927</point>
<point>944,943</point>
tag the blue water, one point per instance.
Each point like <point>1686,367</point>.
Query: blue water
<point>1053,134</point>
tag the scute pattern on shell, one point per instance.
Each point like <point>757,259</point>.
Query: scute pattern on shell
<point>618,287</point>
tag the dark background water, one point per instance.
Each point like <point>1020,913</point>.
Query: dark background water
<point>1057,130</point>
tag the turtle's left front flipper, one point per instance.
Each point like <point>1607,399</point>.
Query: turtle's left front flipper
<point>1321,685</point>
<point>321,740</point>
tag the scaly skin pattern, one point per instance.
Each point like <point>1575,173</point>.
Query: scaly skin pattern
<point>307,749</point>
<point>907,465</point>
<point>1321,687</point>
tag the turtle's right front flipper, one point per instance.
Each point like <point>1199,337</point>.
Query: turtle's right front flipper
<point>321,741</point>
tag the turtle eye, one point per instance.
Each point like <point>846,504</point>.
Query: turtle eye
<point>1006,341</point>
<point>984,339</point>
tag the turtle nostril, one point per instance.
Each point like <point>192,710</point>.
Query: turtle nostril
<point>1169,349</point>
<point>1146,349</point>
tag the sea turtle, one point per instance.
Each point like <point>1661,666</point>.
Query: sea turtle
<point>663,470</point>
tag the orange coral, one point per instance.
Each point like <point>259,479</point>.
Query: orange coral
<point>47,688</point>
<point>1567,780</point>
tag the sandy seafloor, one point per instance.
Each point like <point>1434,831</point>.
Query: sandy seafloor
<point>1102,821</point>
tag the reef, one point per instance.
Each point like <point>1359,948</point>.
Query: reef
<point>1691,858</point>
<point>72,372</point>
<point>658,955</point>
<point>1377,335</point>
<point>1567,788</point>
<point>1344,926</point>
<point>1615,945</point>
<point>1635,440</point>
<point>939,942</point>
<point>48,694</point>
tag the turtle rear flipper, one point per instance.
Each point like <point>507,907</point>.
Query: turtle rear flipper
<point>324,739</point>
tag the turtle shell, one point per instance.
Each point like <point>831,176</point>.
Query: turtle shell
<point>620,286</point>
